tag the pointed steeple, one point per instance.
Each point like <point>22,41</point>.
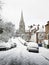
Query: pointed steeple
<point>22,20</point>
<point>21,24</point>
<point>22,14</point>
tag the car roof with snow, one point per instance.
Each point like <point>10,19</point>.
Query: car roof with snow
<point>21,40</point>
<point>33,44</point>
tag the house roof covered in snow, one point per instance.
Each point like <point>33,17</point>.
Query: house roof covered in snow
<point>41,30</point>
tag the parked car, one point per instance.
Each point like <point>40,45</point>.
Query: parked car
<point>12,43</point>
<point>32,47</point>
<point>4,46</point>
<point>22,41</point>
<point>7,45</point>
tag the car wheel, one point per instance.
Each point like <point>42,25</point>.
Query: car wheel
<point>37,51</point>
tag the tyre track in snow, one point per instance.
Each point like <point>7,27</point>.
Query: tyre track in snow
<point>45,58</point>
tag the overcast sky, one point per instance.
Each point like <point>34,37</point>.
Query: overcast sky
<point>34,11</point>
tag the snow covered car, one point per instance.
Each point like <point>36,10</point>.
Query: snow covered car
<point>12,43</point>
<point>23,41</point>
<point>4,46</point>
<point>32,47</point>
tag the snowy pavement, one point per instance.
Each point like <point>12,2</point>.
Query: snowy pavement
<point>20,56</point>
<point>44,52</point>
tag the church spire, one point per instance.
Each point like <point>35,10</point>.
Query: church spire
<point>22,24</point>
<point>21,15</point>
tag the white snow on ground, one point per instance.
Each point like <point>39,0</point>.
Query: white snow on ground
<point>44,52</point>
<point>20,56</point>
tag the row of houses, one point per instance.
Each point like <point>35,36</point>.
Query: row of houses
<point>35,33</point>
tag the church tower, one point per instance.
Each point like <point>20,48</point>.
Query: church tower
<point>22,24</point>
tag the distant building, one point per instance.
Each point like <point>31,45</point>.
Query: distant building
<point>47,28</point>
<point>37,34</point>
<point>40,35</point>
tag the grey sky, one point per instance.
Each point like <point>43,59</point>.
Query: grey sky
<point>34,11</point>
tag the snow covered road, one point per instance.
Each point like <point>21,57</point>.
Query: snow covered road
<point>20,56</point>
